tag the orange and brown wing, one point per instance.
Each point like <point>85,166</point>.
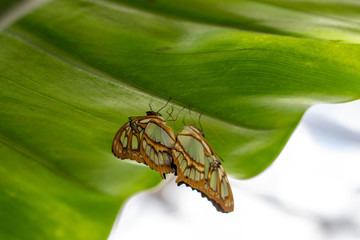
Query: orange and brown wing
<point>156,144</point>
<point>198,167</point>
<point>126,143</point>
<point>217,189</point>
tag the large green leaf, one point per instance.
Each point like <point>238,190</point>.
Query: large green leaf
<point>336,20</point>
<point>72,72</point>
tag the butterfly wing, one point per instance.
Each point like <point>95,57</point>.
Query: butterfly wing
<point>126,143</point>
<point>156,144</point>
<point>198,167</point>
<point>147,140</point>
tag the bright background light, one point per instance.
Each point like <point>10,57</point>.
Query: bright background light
<point>311,191</point>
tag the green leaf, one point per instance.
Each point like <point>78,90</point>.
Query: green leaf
<point>335,20</point>
<point>72,72</point>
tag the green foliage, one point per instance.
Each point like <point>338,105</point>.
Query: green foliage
<point>72,72</point>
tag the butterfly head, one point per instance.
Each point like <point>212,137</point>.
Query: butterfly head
<point>152,113</point>
<point>215,164</point>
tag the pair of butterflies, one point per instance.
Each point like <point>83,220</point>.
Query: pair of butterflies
<point>148,140</point>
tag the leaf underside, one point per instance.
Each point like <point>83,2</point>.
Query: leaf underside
<point>72,72</point>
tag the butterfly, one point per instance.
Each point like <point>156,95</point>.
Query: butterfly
<point>147,140</point>
<point>199,167</point>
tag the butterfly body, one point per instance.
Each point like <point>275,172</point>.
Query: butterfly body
<point>147,140</point>
<point>199,167</point>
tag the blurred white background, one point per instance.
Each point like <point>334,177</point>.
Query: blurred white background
<point>311,191</point>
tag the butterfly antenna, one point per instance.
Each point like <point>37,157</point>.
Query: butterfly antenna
<point>150,106</point>
<point>164,105</point>
<point>221,158</point>
<point>191,116</point>
<point>169,114</point>
<point>184,122</point>
<point>177,115</point>
<point>201,128</point>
